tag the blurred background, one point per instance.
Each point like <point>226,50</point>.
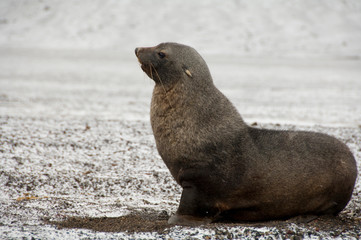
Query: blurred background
<point>278,61</point>
<point>235,27</point>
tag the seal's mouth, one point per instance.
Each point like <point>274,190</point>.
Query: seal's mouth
<point>144,66</point>
<point>148,68</point>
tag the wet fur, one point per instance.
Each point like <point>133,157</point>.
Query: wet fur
<point>228,170</point>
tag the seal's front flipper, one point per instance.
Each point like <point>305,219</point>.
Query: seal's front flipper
<point>195,208</point>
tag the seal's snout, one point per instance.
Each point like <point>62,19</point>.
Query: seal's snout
<point>137,54</point>
<point>136,51</point>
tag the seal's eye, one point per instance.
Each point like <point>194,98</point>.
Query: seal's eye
<point>161,54</point>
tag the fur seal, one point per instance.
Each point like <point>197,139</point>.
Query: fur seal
<point>227,169</point>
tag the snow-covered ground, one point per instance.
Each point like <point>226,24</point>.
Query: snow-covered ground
<point>74,104</point>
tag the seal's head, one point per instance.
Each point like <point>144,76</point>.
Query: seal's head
<point>168,63</point>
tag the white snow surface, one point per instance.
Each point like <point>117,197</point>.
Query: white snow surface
<point>74,104</point>
<point>235,27</point>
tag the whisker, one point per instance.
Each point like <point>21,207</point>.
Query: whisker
<point>151,72</point>
<point>159,78</point>
<point>161,82</point>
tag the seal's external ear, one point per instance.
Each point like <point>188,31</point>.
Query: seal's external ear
<point>186,70</point>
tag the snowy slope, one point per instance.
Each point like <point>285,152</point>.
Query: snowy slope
<point>251,28</point>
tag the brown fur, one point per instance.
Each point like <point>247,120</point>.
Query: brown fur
<point>228,170</point>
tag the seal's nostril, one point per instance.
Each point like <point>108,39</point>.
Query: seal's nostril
<point>136,51</point>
